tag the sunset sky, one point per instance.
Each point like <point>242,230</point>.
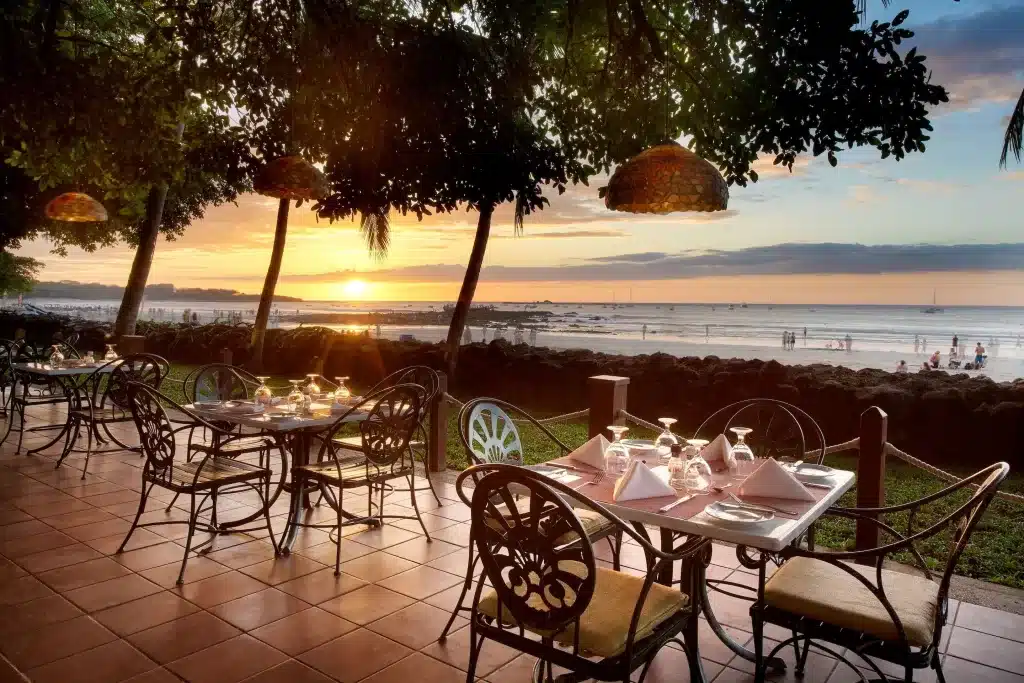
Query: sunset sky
<point>947,220</point>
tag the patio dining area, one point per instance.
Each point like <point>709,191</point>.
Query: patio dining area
<point>76,609</point>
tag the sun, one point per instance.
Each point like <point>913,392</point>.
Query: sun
<point>354,289</point>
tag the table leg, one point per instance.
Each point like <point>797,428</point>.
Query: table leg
<point>299,444</point>
<point>70,388</point>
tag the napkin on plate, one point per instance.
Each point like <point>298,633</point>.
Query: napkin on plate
<point>640,482</point>
<point>771,480</point>
<point>718,453</point>
<point>592,452</point>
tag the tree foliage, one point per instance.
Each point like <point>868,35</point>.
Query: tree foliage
<point>17,274</point>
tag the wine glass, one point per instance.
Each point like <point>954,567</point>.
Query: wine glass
<point>616,456</point>
<point>295,395</point>
<point>111,354</point>
<point>342,394</point>
<point>263,395</point>
<point>312,388</point>
<point>697,474</point>
<point>56,357</point>
<point>741,451</point>
<point>666,440</point>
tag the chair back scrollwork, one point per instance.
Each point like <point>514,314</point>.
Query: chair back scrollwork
<point>139,368</point>
<point>388,430</point>
<point>542,584</point>
<point>156,435</point>
<point>493,436</point>
<point>780,430</point>
<point>219,382</point>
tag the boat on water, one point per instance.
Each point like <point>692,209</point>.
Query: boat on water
<point>933,308</point>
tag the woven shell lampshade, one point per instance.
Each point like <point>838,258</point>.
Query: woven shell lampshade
<point>291,177</point>
<point>75,207</point>
<point>666,178</point>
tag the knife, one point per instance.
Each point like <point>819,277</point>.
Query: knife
<point>682,500</point>
<point>762,508</point>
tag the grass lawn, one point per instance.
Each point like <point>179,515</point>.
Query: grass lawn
<point>995,553</point>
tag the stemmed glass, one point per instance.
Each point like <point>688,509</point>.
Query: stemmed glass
<point>263,395</point>
<point>312,388</point>
<point>666,440</point>
<point>697,473</point>
<point>111,354</point>
<point>295,395</point>
<point>616,456</point>
<point>56,357</point>
<point>741,451</point>
<point>342,394</point>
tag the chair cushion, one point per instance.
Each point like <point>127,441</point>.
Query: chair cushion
<point>819,590</point>
<point>604,625</point>
<point>593,523</point>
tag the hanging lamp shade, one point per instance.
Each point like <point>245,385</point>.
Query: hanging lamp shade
<point>291,177</point>
<point>663,179</point>
<point>75,207</point>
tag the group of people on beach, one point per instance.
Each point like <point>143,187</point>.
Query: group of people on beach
<point>956,357</point>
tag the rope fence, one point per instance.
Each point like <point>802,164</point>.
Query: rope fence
<point>942,474</point>
<point>567,417</point>
<point>639,421</point>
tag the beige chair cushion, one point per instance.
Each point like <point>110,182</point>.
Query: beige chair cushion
<point>604,626</point>
<point>820,590</point>
<point>593,523</point>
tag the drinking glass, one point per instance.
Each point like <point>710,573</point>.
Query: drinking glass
<point>56,357</point>
<point>263,395</point>
<point>312,388</point>
<point>111,354</point>
<point>676,468</point>
<point>89,357</point>
<point>616,456</point>
<point>666,440</point>
<point>342,394</point>
<point>697,474</point>
<point>295,395</point>
<point>741,451</point>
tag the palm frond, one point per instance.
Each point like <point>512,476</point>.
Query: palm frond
<point>375,227</point>
<point>522,208</point>
<point>1014,133</point>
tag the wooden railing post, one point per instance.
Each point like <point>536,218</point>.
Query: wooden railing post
<point>607,398</point>
<point>131,343</point>
<point>874,424</point>
<point>437,438</point>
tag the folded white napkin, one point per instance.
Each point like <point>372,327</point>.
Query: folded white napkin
<point>592,452</point>
<point>718,453</point>
<point>771,480</point>
<point>640,482</point>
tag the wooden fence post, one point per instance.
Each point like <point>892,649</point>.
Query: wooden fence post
<point>437,438</point>
<point>131,343</point>
<point>874,424</point>
<point>607,398</point>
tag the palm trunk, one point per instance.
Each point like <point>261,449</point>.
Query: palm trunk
<point>128,314</point>
<point>259,330</point>
<point>476,261</point>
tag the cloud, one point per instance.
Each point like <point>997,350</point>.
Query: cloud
<point>930,186</point>
<point>977,57</point>
<point>1010,175</point>
<point>779,259</point>
<point>863,194</point>
<point>562,234</point>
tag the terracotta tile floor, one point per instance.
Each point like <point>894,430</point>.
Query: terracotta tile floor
<point>72,610</point>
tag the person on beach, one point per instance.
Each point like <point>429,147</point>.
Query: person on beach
<point>849,343</point>
<point>785,340</point>
<point>805,336</point>
<point>956,342</point>
<point>925,367</point>
<point>979,354</point>
<point>902,367</point>
<point>644,331</point>
<point>533,337</point>
<point>917,343</point>
<point>707,333</point>
<point>935,359</point>
<point>924,345</point>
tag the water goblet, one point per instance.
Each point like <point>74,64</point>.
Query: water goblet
<point>741,451</point>
<point>312,388</point>
<point>263,395</point>
<point>697,474</point>
<point>616,456</point>
<point>295,395</point>
<point>666,440</point>
<point>56,357</point>
<point>111,354</point>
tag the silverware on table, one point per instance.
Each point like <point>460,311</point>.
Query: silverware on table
<point>682,500</point>
<point>814,484</point>
<point>760,506</point>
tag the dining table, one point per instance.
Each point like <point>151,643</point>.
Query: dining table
<point>790,521</point>
<point>61,382</point>
<point>296,432</point>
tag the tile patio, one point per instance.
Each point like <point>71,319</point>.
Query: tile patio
<point>73,611</point>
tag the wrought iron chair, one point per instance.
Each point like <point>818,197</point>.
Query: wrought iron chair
<point>103,401</point>
<point>34,391</point>
<point>200,478</point>
<point>871,611</point>
<point>549,597</point>
<point>427,378</point>
<point>223,382</point>
<point>385,435</point>
<point>489,435</point>
<point>780,430</point>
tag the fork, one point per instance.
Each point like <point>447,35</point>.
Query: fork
<point>598,478</point>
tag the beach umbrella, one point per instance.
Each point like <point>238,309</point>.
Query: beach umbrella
<point>666,178</point>
<point>291,177</point>
<point>75,207</point>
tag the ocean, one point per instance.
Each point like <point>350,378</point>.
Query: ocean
<point>881,335</point>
